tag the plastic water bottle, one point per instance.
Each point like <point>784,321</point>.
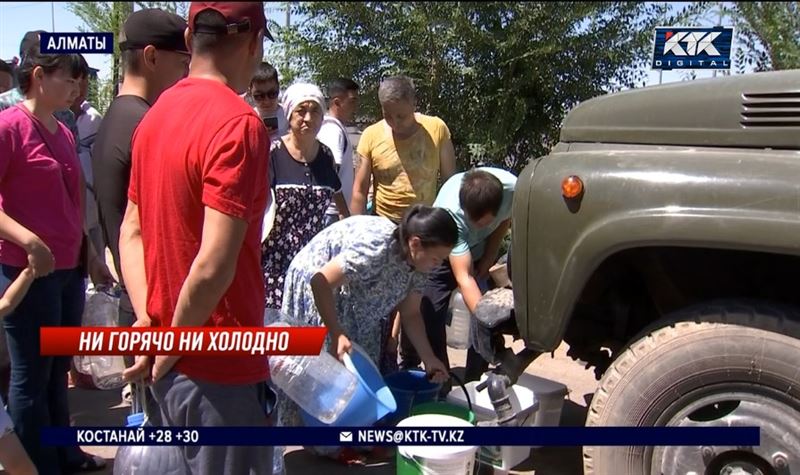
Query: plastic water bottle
<point>107,371</point>
<point>458,329</point>
<point>320,384</point>
<point>101,310</point>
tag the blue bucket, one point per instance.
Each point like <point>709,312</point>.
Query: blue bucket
<point>410,388</point>
<point>371,401</point>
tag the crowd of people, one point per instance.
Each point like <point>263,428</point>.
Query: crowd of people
<point>220,197</point>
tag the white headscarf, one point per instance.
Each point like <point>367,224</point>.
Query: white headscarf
<point>299,93</point>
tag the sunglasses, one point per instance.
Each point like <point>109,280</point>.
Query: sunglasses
<point>272,94</point>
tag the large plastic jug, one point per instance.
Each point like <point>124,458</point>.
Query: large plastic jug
<point>320,384</point>
<point>458,329</point>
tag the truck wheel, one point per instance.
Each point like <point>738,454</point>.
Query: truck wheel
<point>728,363</point>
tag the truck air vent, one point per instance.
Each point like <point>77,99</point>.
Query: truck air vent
<point>771,109</point>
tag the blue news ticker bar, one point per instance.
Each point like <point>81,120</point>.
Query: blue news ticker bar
<point>340,436</point>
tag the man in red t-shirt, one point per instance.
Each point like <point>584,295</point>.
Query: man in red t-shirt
<point>190,239</point>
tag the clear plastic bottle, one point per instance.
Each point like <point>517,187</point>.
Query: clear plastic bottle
<point>458,329</point>
<point>107,371</point>
<point>101,310</point>
<point>320,384</point>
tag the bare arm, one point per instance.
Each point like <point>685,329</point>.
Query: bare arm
<point>447,160</point>
<point>395,326</point>
<point>12,231</point>
<point>213,269</point>
<point>98,271</point>
<point>414,327</point>
<point>493,243</point>
<point>462,266</point>
<point>40,258</point>
<point>210,275</point>
<point>341,205</point>
<point>131,254</point>
<point>358,204</point>
<point>16,292</point>
<point>323,283</point>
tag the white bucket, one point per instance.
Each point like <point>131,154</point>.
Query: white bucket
<point>438,460</point>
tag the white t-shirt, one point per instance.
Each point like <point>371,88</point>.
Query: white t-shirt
<point>283,124</point>
<point>334,135</point>
<point>88,124</point>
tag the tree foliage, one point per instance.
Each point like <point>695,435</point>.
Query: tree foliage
<point>501,74</point>
<point>767,33</point>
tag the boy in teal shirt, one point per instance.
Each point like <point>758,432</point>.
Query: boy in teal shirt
<point>480,202</point>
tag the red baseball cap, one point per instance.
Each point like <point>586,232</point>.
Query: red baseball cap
<point>241,17</point>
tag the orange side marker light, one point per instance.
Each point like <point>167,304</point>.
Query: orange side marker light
<point>571,187</point>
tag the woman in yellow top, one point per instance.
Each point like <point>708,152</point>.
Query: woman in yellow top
<point>405,154</point>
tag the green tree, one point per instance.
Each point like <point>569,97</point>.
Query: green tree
<point>767,33</point>
<point>501,74</point>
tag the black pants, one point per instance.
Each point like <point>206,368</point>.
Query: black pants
<point>434,307</point>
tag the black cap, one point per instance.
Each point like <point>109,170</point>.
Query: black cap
<point>153,26</point>
<point>30,40</point>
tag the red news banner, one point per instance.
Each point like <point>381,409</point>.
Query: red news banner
<point>236,341</point>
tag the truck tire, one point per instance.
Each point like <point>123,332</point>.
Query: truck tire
<point>734,359</point>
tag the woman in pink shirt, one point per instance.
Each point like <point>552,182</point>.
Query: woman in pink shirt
<point>41,226</point>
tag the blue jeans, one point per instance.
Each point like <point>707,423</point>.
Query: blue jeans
<point>37,395</point>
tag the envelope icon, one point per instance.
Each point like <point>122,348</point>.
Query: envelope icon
<point>345,436</point>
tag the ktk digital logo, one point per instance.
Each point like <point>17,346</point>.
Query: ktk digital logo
<point>693,48</point>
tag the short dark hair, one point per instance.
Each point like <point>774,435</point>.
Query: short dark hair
<point>204,43</point>
<point>433,227</point>
<point>340,87</point>
<point>265,73</point>
<point>131,60</point>
<point>50,63</point>
<point>481,194</point>
<point>6,68</point>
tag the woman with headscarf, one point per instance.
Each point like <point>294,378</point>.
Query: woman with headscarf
<point>303,179</point>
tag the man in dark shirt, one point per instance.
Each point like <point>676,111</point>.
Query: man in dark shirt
<point>154,57</point>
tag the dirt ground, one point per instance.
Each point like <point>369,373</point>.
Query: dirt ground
<point>104,408</point>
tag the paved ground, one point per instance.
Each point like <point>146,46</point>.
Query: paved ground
<point>103,408</point>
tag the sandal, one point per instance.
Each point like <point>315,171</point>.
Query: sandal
<point>91,463</point>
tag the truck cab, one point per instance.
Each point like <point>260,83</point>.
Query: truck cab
<point>660,239</point>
